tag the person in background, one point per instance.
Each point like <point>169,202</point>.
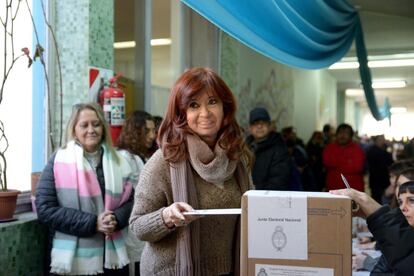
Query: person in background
<point>142,141</point>
<point>399,172</point>
<point>289,134</point>
<point>406,201</point>
<point>408,151</point>
<point>378,160</point>
<point>314,148</point>
<point>391,228</point>
<point>328,134</point>
<point>344,157</point>
<point>157,121</point>
<point>273,166</point>
<point>202,163</point>
<point>300,159</point>
<point>85,196</point>
<point>130,144</point>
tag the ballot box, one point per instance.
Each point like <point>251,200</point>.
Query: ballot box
<point>295,234</point>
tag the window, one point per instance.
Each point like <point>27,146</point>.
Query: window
<point>16,107</point>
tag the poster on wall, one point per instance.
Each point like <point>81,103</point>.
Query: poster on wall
<point>97,78</point>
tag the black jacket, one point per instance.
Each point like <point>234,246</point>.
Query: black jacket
<point>273,165</point>
<point>378,160</point>
<point>395,239</point>
<point>381,268</point>
<point>67,220</point>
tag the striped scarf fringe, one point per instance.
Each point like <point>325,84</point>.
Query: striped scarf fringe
<point>77,187</point>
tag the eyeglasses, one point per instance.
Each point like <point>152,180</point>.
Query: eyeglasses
<point>77,106</point>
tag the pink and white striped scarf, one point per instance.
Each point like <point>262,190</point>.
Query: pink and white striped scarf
<point>77,187</point>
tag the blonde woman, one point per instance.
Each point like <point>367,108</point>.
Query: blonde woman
<point>85,197</point>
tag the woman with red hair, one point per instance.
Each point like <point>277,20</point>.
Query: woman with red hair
<point>201,164</point>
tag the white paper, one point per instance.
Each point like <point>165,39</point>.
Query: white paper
<point>278,226</point>
<point>361,273</point>
<point>207,212</point>
<point>307,194</point>
<point>283,270</point>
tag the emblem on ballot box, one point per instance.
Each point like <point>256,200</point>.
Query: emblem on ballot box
<point>262,272</point>
<point>279,238</point>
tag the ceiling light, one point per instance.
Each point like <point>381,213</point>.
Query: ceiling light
<point>160,41</point>
<point>389,84</point>
<point>131,44</point>
<point>344,65</point>
<point>390,63</point>
<point>124,44</point>
<point>354,92</point>
<point>395,110</point>
<point>396,60</point>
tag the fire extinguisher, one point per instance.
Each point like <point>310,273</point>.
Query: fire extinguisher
<point>112,100</point>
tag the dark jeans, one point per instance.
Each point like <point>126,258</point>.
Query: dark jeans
<point>137,273</point>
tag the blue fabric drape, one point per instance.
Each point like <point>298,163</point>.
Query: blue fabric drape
<point>298,33</point>
<point>365,74</point>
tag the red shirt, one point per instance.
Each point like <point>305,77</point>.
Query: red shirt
<point>346,159</point>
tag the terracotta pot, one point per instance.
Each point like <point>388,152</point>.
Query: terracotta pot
<point>8,201</point>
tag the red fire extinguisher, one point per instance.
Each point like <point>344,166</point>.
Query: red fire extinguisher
<point>112,100</point>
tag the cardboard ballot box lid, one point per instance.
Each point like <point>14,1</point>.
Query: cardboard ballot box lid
<point>296,233</point>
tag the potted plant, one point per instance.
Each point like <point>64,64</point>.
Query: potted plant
<point>8,197</point>
<point>11,54</point>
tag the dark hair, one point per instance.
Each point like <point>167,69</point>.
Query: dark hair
<point>315,134</point>
<point>406,187</point>
<point>174,127</point>
<point>157,121</point>
<point>288,130</point>
<point>401,165</point>
<point>326,127</point>
<point>133,133</point>
<point>377,137</point>
<point>345,126</point>
<point>408,173</point>
<point>404,168</point>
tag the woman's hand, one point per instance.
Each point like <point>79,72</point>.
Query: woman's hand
<point>390,190</point>
<point>173,215</point>
<point>367,204</point>
<point>106,223</point>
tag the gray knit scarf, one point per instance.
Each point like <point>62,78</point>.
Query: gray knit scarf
<point>214,167</point>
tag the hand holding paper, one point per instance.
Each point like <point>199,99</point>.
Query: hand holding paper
<point>207,212</point>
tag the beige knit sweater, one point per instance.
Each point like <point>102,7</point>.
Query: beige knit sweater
<point>217,233</point>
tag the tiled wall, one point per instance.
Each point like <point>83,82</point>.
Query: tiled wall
<point>101,33</point>
<point>84,32</point>
<point>72,34</point>
<point>22,244</point>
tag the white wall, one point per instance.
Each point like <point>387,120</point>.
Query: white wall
<point>327,100</point>
<point>159,100</point>
<point>350,112</point>
<point>314,101</point>
<point>305,99</point>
